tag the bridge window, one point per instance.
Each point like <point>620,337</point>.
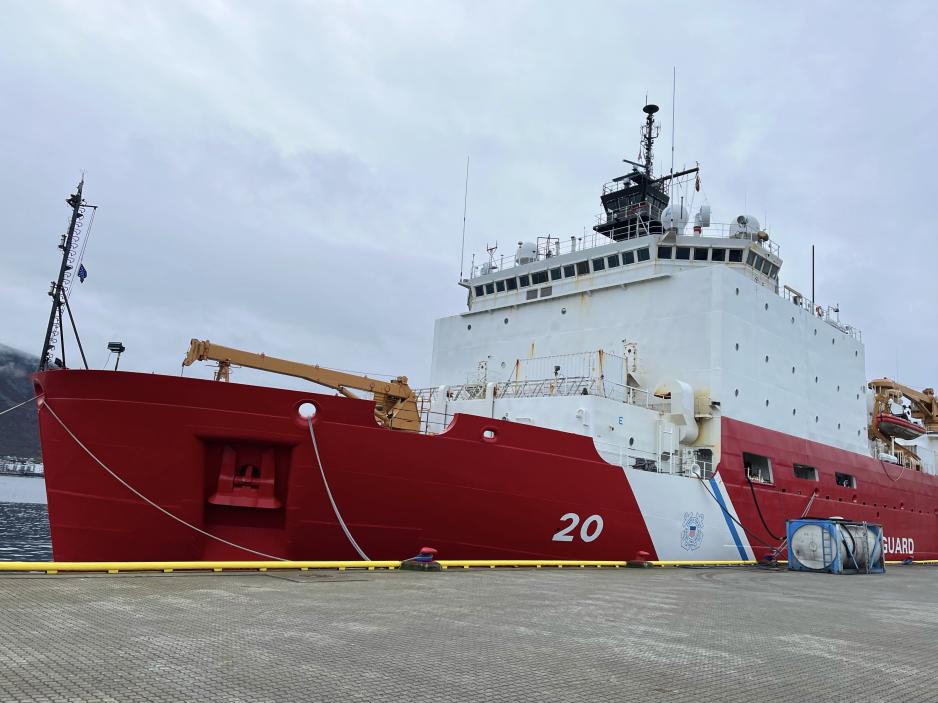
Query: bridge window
<point>480,290</point>
<point>736,256</point>
<point>489,288</point>
<point>766,266</point>
<point>569,271</point>
<point>664,252</point>
<point>773,273</point>
<point>718,255</point>
<point>612,260</point>
<point>539,277</point>
<point>582,268</point>
<point>758,468</point>
<point>512,283</point>
<point>751,259</point>
<point>683,253</point>
<point>643,254</point>
<point>700,254</point>
<point>845,480</point>
<point>500,286</point>
<point>524,281</point>
<point>808,473</point>
<point>599,264</point>
<point>555,274</point>
<point>628,258</point>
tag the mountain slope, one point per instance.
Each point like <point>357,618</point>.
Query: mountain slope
<point>19,429</point>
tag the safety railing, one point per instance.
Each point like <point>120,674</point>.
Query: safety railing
<point>682,462</point>
<point>829,313</point>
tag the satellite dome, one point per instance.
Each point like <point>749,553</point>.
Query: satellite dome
<point>674,217</point>
<point>527,252</point>
<point>744,227</point>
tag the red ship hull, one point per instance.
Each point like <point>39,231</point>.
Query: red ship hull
<point>237,463</point>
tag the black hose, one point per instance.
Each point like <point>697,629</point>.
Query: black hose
<point>759,510</point>
<point>727,513</point>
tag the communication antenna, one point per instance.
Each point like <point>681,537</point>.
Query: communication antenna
<point>673,97</point>
<point>650,132</point>
<point>465,206</point>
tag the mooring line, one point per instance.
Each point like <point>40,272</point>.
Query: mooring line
<point>335,508</point>
<point>45,404</point>
<point>18,405</point>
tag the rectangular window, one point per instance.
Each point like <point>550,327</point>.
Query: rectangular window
<point>774,272</point>
<point>599,264</point>
<point>845,480</point>
<point>758,468</point>
<point>683,253</point>
<point>718,255</point>
<point>500,286</point>
<point>532,294</point>
<point>736,256</point>
<point>582,268</point>
<point>808,473</point>
<point>555,274</point>
<point>480,290</point>
<point>512,283</point>
<point>489,288</point>
<point>569,271</point>
<point>612,261</point>
<point>766,266</point>
<point>524,281</point>
<point>643,254</point>
<point>546,290</point>
<point>664,252</point>
<point>700,254</point>
<point>628,258</point>
<point>538,277</point>
<point>751,259</point>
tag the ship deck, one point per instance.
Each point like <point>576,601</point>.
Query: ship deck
<point>728,634</point>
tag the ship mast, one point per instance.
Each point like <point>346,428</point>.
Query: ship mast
<point>55,331</point>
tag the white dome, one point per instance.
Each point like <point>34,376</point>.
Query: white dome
<point>527,252</point>
<point>674,217</point>
<point>744,227</point>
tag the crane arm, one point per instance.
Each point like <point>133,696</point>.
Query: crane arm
<point>924,402</point>
<point>395,401</point>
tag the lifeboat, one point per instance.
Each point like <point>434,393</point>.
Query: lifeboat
<point>899,427</point>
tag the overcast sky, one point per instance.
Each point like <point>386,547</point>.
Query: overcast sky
<point>288,177</point>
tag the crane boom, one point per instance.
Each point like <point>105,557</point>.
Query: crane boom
<point>395,403</point>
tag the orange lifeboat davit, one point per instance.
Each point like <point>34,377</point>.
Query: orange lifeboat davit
<point>899,427</point>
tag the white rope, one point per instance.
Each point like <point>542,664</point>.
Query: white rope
<point>140,495</point>
<point>18,405</point>
<point>335,508</point>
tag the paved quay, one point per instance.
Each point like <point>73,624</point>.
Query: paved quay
<point>714,634</point>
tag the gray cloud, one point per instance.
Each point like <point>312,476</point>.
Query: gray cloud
<point>289,179</point>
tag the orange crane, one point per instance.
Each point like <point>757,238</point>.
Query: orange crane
<point>395,402</point>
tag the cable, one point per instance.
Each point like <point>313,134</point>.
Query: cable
<point>759,510</point>
<point>730,516</point>
<point>335,508</point>
<point>140,495</point>
<point>4,412</point>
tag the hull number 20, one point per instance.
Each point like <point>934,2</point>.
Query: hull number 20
<point>591,528</point>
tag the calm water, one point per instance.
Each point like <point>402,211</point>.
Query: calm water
<point>24,532</point>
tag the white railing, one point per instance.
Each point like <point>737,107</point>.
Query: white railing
<point>829,313</point>
<point>683,462</point>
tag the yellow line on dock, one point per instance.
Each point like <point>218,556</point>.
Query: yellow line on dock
<point>116,567</point>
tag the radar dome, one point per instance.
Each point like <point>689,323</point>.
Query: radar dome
<point>674,217</point>
<point>527,252</point>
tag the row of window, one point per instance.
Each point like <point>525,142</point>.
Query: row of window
<point>611,261</point>
<point>759,468</point>
<point>580,268</point>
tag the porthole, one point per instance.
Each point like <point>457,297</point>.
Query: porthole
<point>793,369</point>
<point>838,388</point>
<point>488,435</point>
<point>815,379</point>
<point>793,411</point>
<point>468,327</point>
<point>506,320</point>
<point>737,346</point>
<point>838,425</point>
<point>307,410</point>
<point>737,291</point>
<point>792,320</point>
<point>736,393</point>
<point>815,333</point>
<point>766,358</point>
<point>766,402</point>
<point>563,311</point>
<point>856,353</point>
<point>631,441</point>
<point>766,306</point>
<point>815,418</point>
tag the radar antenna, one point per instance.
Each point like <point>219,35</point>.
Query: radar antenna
<point>650,132</point>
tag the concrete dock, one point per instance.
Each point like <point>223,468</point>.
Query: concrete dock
<point>710,634</point>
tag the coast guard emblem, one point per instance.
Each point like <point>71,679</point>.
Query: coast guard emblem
<point>692,534</point>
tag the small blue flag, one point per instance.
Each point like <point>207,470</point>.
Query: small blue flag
<point>82,273</point>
